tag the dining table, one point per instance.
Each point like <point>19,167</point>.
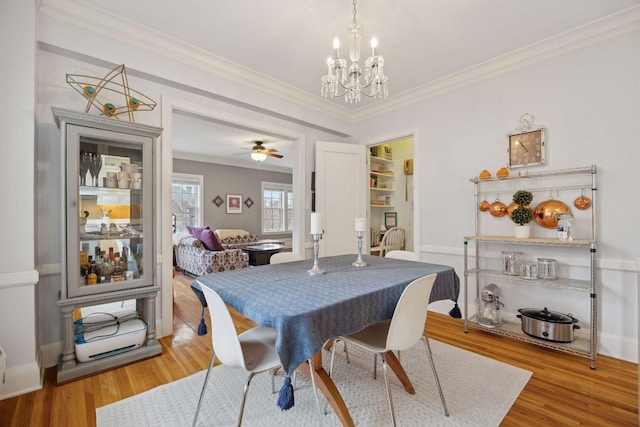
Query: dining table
<point>309,310</point>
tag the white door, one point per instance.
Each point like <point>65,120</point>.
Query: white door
<point>341,193</point>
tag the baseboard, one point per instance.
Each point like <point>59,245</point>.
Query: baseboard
<point>23,379</point>
<point>51,353</point>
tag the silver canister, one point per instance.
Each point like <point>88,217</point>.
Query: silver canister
<point>529,270</point>
<point>547,268</point>
<point>511,263</point>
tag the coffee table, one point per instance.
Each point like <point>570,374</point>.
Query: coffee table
<point>261,254</point>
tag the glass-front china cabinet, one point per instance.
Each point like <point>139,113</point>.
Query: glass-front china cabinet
<point>109,249</point>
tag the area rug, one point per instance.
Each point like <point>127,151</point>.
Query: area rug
<point>479,392</point>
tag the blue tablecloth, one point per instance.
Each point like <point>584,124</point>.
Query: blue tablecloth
<point>308,310</point>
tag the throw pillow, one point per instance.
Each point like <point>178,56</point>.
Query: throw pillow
<point>210,240</point>
<point>195,231</point>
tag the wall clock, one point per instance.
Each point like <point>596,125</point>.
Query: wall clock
<point>526,145</point>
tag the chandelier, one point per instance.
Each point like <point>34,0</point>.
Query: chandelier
<point>346,81</point>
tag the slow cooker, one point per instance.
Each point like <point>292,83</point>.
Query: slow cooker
<point>548,325</point>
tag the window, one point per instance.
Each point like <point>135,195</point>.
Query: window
<point>187,191</point>
<point>277,207</point>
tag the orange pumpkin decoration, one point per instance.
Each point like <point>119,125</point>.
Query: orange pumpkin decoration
<point>502,173</point>
<point>484,206</point>
<point>485,174</point>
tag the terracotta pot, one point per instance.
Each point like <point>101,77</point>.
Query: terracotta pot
<point>545,213</point>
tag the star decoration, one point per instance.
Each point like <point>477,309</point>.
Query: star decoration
<point>102,93</point>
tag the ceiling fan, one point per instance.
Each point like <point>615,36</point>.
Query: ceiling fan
<point>259,152</point>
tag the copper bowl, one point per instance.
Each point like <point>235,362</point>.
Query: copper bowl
<point>545,213</point>
<point>514,205</point>
<point>582,203</point>
<point>484,206</point>
<point>498,209</point>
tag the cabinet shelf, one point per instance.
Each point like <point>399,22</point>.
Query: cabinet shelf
<point>387,190</point>
<point>561,283</point>
<point>579,346</point>
<point>382,206</point>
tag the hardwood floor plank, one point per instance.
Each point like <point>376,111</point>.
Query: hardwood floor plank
<point>562,390</point>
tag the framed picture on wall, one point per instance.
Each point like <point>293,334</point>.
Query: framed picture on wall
<point>390,220</point>
<point>234,203</point>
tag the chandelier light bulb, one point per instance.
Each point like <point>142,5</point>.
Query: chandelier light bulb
<point>374,45</point>
<point>336,47</point>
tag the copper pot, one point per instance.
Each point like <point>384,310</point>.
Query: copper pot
<point>498,209</point>
<point>484,206</point>
<point>582,203</point>
<point>545,213</point>
<point>514,205</point>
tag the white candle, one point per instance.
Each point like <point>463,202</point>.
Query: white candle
<point>361,224</point>
<point>316,223</point>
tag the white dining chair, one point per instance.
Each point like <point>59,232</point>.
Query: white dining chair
<point>392,240</point>
<point>402,331</point>
<point>253,350</point>
<point>282,257</point>
<point>404,255</point>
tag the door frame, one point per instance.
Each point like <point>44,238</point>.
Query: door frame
<point>170,105</point>
<point>417,174</point>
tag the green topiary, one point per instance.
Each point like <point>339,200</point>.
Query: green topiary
<point>522,214</point>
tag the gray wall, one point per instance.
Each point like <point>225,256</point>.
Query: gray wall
<point>220,180</point>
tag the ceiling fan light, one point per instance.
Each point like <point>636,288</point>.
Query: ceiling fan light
<point>258,156</point>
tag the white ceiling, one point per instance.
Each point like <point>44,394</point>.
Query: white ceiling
<point>422,41</point>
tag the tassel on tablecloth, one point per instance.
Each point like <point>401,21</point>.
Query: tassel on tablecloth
<point>285,398</point>
<point>202,327</point>
<point>455,312</point>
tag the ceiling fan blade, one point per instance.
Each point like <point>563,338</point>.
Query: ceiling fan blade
<point>272,150</point>
<point>271,154</point>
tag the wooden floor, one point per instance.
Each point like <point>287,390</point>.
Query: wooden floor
<point>562,391</point>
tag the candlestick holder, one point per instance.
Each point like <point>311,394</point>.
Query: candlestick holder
<point>359,262</point>
<point>315,270</point>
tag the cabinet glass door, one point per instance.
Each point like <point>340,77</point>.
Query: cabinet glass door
<point>109,211</point>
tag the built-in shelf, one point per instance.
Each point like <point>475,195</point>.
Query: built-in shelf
<point>388,190</point>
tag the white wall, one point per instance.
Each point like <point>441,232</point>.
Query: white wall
<point>588,102</point>
<point>18,277</point>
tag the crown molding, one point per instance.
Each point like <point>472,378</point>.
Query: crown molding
<point>88,17</point>
<point>80,14</point>
<point>609,27</point>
